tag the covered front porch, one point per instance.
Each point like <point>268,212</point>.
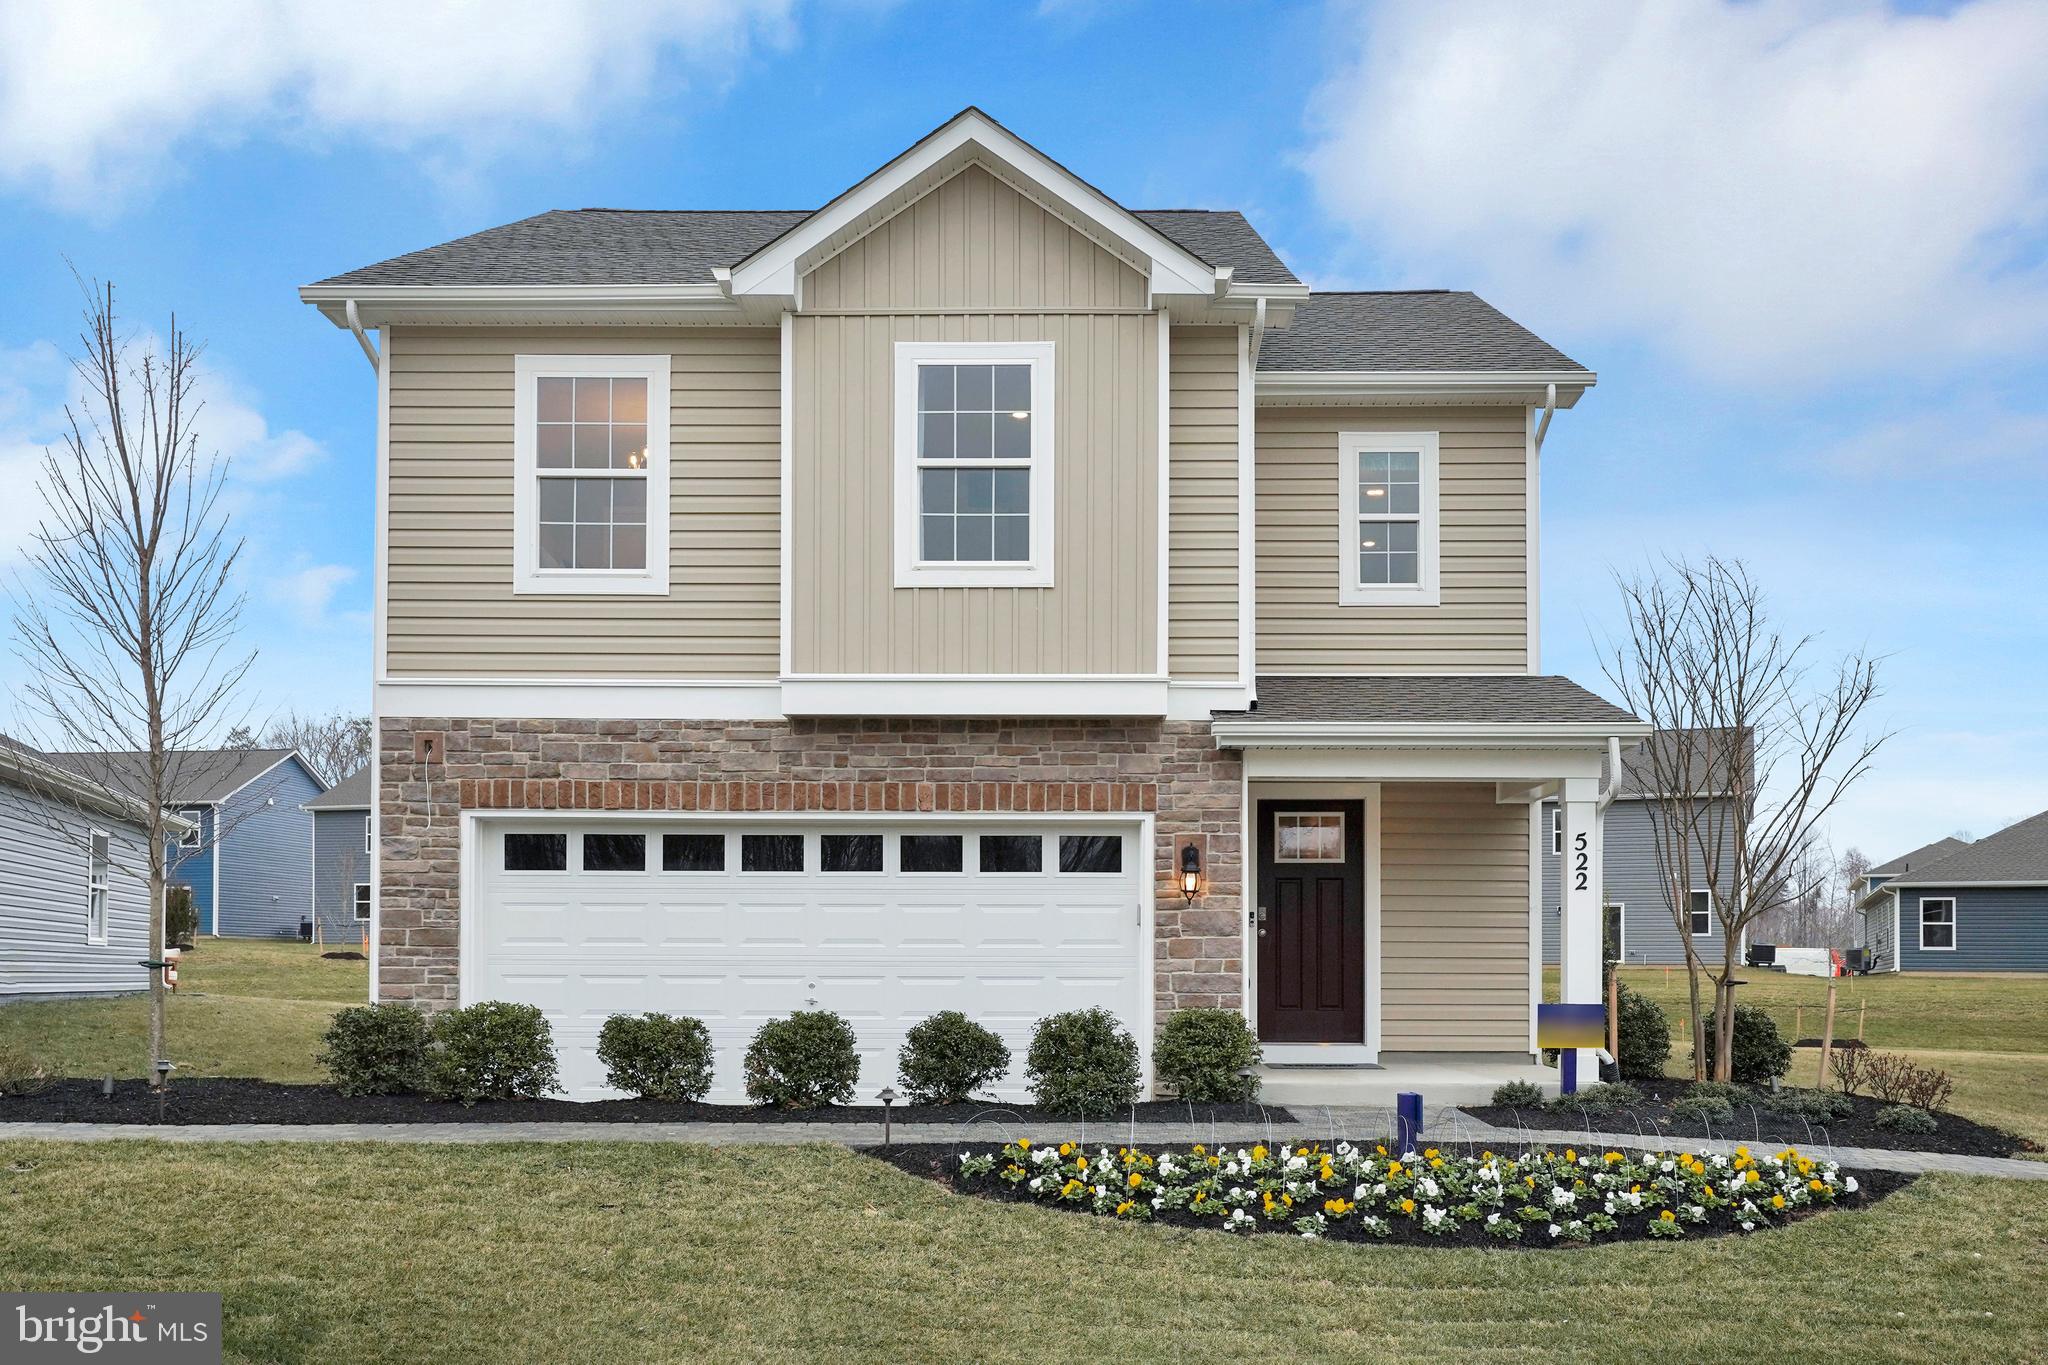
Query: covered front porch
<point>1393,828</point>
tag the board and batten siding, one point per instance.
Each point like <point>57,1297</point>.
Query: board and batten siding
<point>974,260</point>
<point>1998,929</point>
<point>1482,624</point>
<point>1630,855</point>
<point>1202,522</point>
<point>266,854</point>
<point>451,608</point>
<point>43,897</point>
<point>1454,920</point>
<point>340,861</point>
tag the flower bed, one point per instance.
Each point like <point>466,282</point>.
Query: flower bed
<point>1364,1192</point>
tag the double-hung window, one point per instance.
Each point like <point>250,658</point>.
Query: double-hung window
<point>1938,924</point>
<point>1701,912</point>
<point>974,462</point>
<point>97,861</point>
<point>591,464</point>
<point>361,902</point>
<point>193,816</point>
<point>1387,519</point>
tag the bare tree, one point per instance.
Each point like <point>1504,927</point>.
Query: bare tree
<point>129,631</point>
<point>1746,715</point>
<point>335,746</point>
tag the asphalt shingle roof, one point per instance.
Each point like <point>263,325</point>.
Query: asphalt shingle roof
<point>195,774</point>
<point>2017,853</point>
<point>1416,329</point>
<point>681,246</point>
<point>1426,700</point>
<point>1640,766</point>
<point>1919,857</point>
<point>351,793</point>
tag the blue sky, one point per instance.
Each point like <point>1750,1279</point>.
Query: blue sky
<point>1804,242</point>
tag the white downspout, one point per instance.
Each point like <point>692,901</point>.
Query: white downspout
<point>1613,783</point>
<point>1258,334</point>
<point>1543,429</point>
<point>355,324</point>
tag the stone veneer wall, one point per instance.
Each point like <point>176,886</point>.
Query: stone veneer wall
<point>1171,768</point>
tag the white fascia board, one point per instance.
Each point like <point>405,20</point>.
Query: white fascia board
<point>1501,386</point>
<point>773,270</point>
<point>380,305</point>
<point>1454,735</point>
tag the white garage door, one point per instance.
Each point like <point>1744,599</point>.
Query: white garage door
<point>738,923</point>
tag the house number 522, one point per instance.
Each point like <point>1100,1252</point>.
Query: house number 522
<point>1581,861</point>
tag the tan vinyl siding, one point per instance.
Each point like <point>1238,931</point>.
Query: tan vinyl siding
<point>1202,545</point>
<point>452,610</point>
<point>975,261</point>
<point>1482,625</point>
<point>1454,920</point>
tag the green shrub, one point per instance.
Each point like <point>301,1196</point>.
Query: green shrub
<point>804,1061</point>
<point>1728,1092</point>
<point>1709,1108</point>
<point>1518,1095</point>
<point>1208,1056</point>
<point>376,1050</point>
<point>1815,1106</point>
<point>20,1072</point>
<point>1760,1054</point>
<point>1645,1040</point>
<point>656,1056</point>
<point>181,916</point>
<point>492,1050</point>
<point>1599,1099</point>
<point>948,1057</point>
<point>1904,1118</point>
<point>1082,1063</point>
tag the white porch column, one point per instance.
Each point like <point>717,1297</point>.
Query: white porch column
<point>1579,939</point>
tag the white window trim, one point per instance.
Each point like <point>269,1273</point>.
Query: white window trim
<point>1427,591</point>
<point>911,570</point>
<point>359,902</point>
<point>191,837</point>
<point>528,578</point>
<point>1954,924</point>
<point>1709,912</point>
<point>100,888</point>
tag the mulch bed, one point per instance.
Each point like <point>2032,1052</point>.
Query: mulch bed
<point>1653,1118</point>
<point>940,1163</point>
<point>229,1100</point>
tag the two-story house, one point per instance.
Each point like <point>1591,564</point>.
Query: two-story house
<point>970,594</point>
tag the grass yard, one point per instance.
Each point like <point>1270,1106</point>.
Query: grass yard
<point>627,1252</point>
<point>1989,1032</point>
<point>244,1007</point>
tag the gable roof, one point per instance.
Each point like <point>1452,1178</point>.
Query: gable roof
<point>351,793</point>
<point>196,775</point>
<point>1407,330</point>
<point>31,770</point>
<point>2017,854</point>
<point>1919,857</point>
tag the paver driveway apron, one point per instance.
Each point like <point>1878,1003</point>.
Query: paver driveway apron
<point>737,921</point>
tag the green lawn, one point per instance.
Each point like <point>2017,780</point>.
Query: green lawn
<point>244,1007</point>
<point>1989,1032</point>
<point>627,1252</point>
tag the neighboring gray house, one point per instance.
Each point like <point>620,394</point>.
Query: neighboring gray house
<point>249,860</point>
<point>1637,901</point>
<point>1963,907</point>
<point>342,838</point>
<point>74,896</point>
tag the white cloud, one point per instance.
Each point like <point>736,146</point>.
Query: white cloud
<point>1783,190</point>
<point>1976,436</point>
<point>97,96</point>
<point>308,592</point>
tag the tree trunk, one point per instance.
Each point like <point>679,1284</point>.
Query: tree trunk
<point>1699,1020</point>
<point>1724,1017</point>
<point>156,948</point>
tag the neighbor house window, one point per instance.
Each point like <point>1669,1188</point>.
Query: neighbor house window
<point>974,461</point>
<point>192,816</point>
<point>97,860</point>
<point>362,902</point>
<point>1702,914</point>
<point>1938,924</point>
<point>1387,519</point>
<point>1557,832</point>
<point>369,834</point>
<point>591,470</point>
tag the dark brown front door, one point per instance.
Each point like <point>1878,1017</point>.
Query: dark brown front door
<point>1309,925</point>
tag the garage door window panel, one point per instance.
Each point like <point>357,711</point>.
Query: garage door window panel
<point>850,853</point>
<point>1012,853</point>
<point>1091,854</point>
<point>693,853</point>
<point>771,853</point>
<point>614,852</point>
<point>525,852</point>
<point>931,853</point>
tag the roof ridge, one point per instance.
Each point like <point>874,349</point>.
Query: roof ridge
<point>1322,293</point>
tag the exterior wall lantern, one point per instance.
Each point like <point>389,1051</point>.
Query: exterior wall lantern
<point>1190,872</point>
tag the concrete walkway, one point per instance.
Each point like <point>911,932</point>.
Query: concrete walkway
<point>1447,1127</point>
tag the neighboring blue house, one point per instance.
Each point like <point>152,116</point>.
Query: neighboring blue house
<point>1961,907</point>
<point>74,883</point>
<point>249,862</point>
<point>1640,925</point>
<point>343,834</point>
